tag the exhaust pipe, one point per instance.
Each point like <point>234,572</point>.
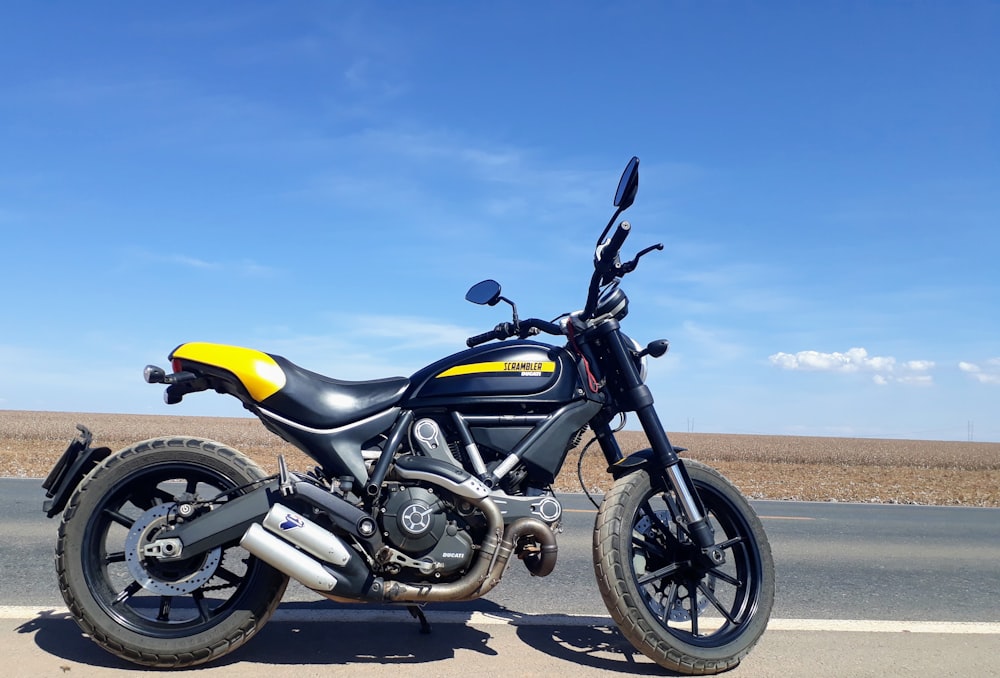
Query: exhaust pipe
<point>307,535</point>
<point>288,559</point>
<point>355,579</point>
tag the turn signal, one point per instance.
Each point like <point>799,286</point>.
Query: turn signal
<point>154,375</point>
<point>656,348</point>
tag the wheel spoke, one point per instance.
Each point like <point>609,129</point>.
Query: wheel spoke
<point>192,486</point>
<point>715,602</point>
<point>228,576</point>
<point>152,496</point>
<point>119,518</point>
<point>161,496</point>
<point>164,614</point>
<point>662,573</point>
<point>127,593</point>
<point>692,587</point>
<point>650,548</point>
<point>671,601</point>
<point>116,557</point>
<point>726,577</point>
<point>204,613</point>
<point>693,596</point>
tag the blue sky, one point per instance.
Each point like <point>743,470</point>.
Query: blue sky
<point>324,180</point>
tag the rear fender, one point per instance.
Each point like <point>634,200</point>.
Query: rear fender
<point>75,463</point>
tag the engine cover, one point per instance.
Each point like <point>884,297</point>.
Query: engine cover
<point>417,522</point>
<point>414,519</point>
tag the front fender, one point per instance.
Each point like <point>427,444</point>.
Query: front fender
<point>645,459</point>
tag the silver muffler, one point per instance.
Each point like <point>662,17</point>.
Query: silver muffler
<point>307,535</point>
<point>288,559</point>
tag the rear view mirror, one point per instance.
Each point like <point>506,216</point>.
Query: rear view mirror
<point>485,293</point>
<point>628,185</point>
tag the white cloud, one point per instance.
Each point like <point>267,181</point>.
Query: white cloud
<point>886,368</point>
<point>916,379</point>
<point>243,267</point>
<point>410,331</point>
<point>191,262</point>
<point>853,360</point>
<point>990,374</point>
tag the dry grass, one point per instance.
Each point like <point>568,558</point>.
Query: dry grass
<point>771,467</point>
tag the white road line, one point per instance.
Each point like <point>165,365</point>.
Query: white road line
<point>884,626</point>
<point>400,615</point>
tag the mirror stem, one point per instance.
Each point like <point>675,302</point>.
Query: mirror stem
<point>517,323</point>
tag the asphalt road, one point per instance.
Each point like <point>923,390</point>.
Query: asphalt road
<point>917,575</point>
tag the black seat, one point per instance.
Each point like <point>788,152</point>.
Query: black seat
<point>320,402</point>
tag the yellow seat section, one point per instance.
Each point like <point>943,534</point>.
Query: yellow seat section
<point>258,372</point>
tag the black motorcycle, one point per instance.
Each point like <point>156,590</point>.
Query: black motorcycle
<point>175,550</point>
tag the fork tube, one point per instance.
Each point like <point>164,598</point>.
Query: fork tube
<point>636,396</point>
<point>673,468</point>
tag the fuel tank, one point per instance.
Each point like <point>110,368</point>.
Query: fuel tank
<point>516,371</point>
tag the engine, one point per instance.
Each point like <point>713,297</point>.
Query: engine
<point>427,530</point>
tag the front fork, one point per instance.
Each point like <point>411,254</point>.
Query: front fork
<point>677,478</point>
<point>633,395</point>
<point>664,463</point>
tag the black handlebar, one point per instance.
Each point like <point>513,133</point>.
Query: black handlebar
<point>525,328</point>
<point>486,336</point>
<point>535,325</point>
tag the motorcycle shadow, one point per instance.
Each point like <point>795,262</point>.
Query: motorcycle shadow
<point>598,647</point>
<point>300,634</point>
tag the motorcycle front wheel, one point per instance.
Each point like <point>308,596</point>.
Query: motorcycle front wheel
<point>148,610</point>
<point>676,607</point>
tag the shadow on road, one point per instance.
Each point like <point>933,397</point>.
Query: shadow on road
<point>598,647</point>
<point>342,642</point>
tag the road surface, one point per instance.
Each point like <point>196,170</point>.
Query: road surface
<point>862,590</point>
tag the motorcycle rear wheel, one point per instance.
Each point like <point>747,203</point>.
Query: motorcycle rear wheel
<point>149,611</point>
<point>668,602</point>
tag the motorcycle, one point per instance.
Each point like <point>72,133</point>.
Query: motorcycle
<point>176,550</point>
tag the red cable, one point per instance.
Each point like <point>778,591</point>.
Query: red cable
<point>591,381</point>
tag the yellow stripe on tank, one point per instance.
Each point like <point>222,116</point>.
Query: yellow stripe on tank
<point>258,372</point>
<point>518,367</point>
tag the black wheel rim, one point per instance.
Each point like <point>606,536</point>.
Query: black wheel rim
<point>124,598</point>
<point>693,601</point>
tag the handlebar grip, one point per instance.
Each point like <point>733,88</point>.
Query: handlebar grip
<point>496,333</point>
<point>481,338</point>
<point>616,241</point>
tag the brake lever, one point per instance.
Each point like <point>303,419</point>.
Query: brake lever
<point>630,266</point>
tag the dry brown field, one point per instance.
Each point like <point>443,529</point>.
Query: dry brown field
<point>763,467</point>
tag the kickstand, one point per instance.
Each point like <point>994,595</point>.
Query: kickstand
<point>418,614</point>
